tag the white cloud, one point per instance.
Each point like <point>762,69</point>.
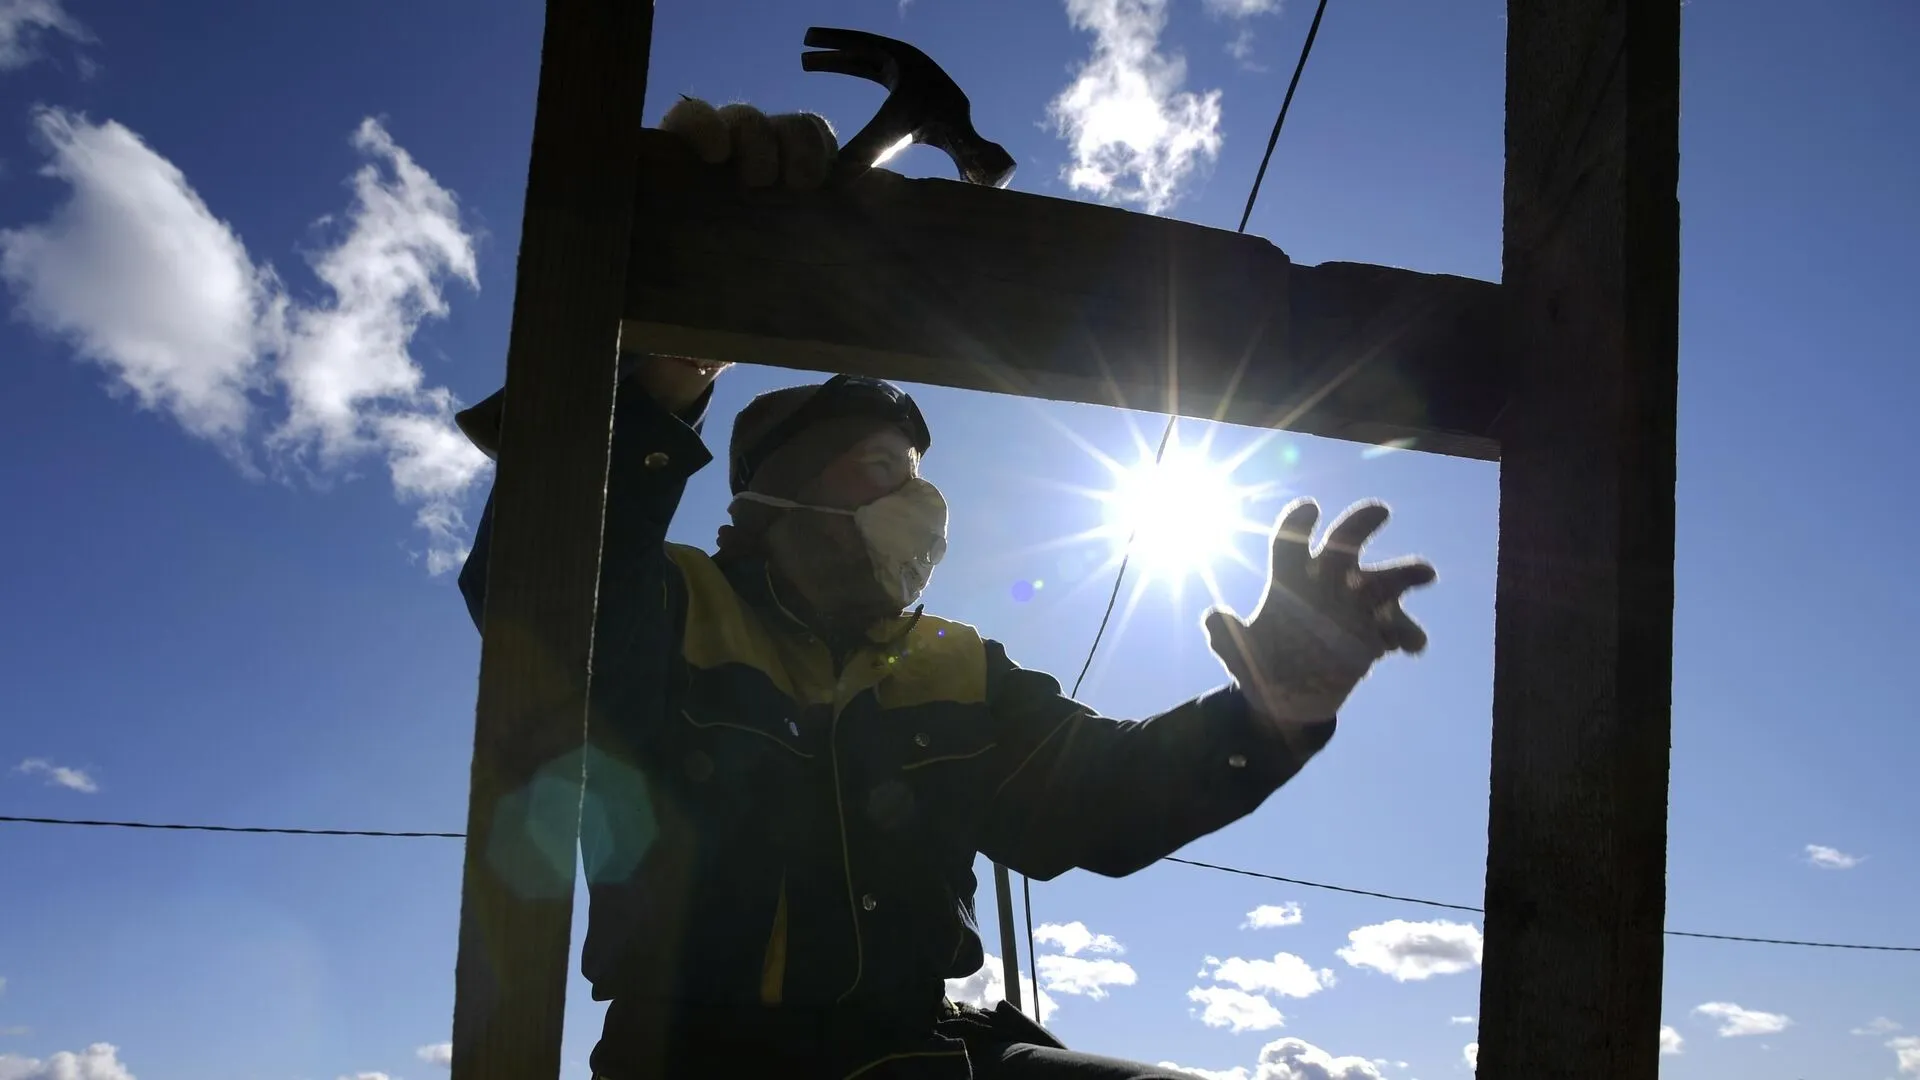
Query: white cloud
<point>1410,951</point>
<point>1286,974</point>
<point>1238,1072</point>
<point>1736,1021</point>
<point>368,1076</point>
<point>1292,1059</point>
<point>987,987</point>
<point>1297,1059</point>
<point>59,776</point>
<point>1240,9</point>
<point>1460,1019</point>
<point>1827,858</point>
<point>1136,135</point>
<point>24,22</point>
<point>440,1054</point>
<point>1241,48</point>
<point>1074,938</point>
<point>1084,976</point>
<point>136,273</point>
<point>139,276</point>
<point>1471,1054</point>
<point>1906,1052</point>
<point>1670,1040</point>
<point>101,1061</point>
<point>1237,1010</point>
<point>1267,916</point>
<point>1879,1025</point>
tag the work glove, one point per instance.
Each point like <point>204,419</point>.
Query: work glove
<point>1324,619</point>
<point>794,150</point>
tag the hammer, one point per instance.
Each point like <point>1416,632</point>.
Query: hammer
<point>923,105</point>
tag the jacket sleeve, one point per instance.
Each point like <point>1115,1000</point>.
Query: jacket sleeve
<point>654,453</point>
<point>1113,796</point>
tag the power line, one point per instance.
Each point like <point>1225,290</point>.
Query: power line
<point>1218,867</point>
<point>1482,911</point>
<point>230,828</point>
<point>1253,193</point>
<point>1313,31</point>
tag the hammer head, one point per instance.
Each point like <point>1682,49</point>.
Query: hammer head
<point>923,105</point>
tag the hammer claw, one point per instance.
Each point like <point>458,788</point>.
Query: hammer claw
<point>858,65</point>
<point>924,104</point>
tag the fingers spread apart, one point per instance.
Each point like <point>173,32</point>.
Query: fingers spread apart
<point>792,149</point>
<point>1291,535</point>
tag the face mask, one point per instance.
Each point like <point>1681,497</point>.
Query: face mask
<point>905,533</point>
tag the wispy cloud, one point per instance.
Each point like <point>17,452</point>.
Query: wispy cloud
<point>1736,1021</point>
<point>1879,1025</point>
<point>440,1054</point>
<point>1460,1019</point>
<point>1241,9</point>
<point>1240,47</point>
<point>1268,916</point>
<point>59,776</point>
<point>101,1061</point>
<point>140,277</point>
<point>1411,951</point>
<point>1136,134</point>
<point>1827,858</point>
<point>24,24</point>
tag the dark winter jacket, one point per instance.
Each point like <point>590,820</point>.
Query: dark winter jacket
<point>781,845</point>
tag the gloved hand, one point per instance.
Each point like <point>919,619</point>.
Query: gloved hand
<point>792,149</point>
<point>1324,619</point>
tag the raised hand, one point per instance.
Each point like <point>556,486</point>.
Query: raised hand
<point>794,150</point>
<point>1324,619</point>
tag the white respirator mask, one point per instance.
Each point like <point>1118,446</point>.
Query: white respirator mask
<point>905,532</point>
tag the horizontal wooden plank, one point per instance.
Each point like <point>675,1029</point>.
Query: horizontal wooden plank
<point>935,281</point>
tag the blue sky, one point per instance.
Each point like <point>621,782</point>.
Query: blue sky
<point>253,253</point>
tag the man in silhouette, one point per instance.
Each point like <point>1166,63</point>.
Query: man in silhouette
<point>791,767</point>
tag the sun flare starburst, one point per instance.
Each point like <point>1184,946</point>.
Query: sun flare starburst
<point>1180,517</point>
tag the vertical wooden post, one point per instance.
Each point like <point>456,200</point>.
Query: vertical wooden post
<point>524,808</point>
<point>1576,836</point>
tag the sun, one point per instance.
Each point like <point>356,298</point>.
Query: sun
<point>1180,517</point>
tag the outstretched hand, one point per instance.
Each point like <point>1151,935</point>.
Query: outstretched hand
<point>1324,619</point>
<point>794,150</point>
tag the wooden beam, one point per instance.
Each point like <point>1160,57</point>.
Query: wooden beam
<point>937,281</point>
<point>1576,832</point>
<point>523,814</point>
